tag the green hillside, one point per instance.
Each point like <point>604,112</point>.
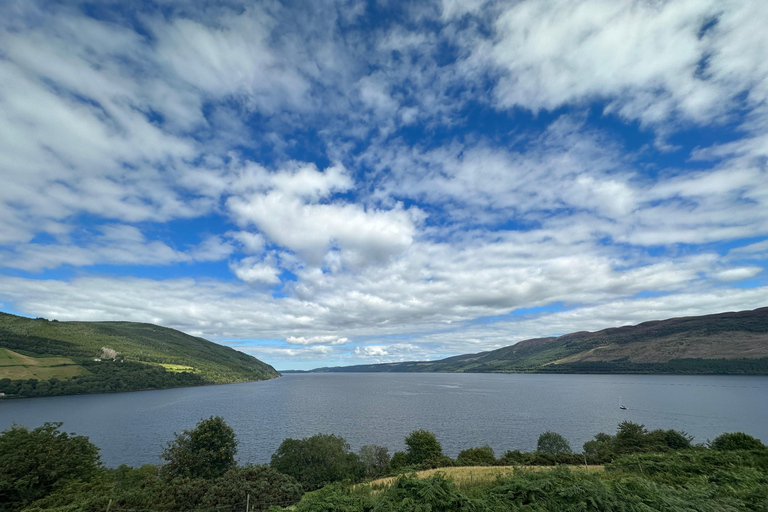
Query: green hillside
<point>725,343</point>
<point>148,357</point>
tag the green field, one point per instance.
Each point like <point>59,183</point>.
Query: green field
<point>16,366</point>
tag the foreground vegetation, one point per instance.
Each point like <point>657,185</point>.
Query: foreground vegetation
<point>642,471</point>
<point>39,357</point>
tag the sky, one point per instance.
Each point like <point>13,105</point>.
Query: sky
<point>341,182</point>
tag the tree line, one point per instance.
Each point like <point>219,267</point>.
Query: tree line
<point>103,377</point>
<point>45,469</point>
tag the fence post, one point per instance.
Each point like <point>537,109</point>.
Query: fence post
<point>248,503</point>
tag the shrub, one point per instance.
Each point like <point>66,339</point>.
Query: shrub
<point>736,441</point>
<point>317,461</point>
<point>552,443</point>
<point>375,459</point>
<point>482,456</point>
<point>36,463</point>
<point>207,451</point>
<point>422,446</point>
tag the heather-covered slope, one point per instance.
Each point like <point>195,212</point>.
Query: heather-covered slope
<point>721,343</point>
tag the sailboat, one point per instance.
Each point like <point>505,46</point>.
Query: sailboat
<point>622,406</point>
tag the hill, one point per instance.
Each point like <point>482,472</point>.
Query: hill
<point>40,357</point>
<point>729,343</point>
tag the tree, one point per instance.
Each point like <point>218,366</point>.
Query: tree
<point>266,486</point>
<point>552,443</point>
<point>630,438</point>
<point>600,449</point>
<point>736,441</point>
<point>207,451</point>
<point>35,463</point>
<point>482,456</point>
<point>422,446</point>
<point>375,459</point>
<point>317,461</point>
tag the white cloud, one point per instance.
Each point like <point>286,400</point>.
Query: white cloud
<point>641,57</point>
<point>224,115</point>
<point>737,274</point>
<point>287,209</point>
<point>316,340</point>
<point>253,270</point>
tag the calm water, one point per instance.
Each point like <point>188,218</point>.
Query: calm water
<point>464,410</point>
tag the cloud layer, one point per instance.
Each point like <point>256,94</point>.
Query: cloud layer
<point>349,182</point>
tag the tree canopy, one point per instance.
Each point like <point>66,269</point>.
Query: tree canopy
<point>422,446</point>
<point>317,460</point>
<point>34,463</point>
<point>207,451</point>
<point>736,441</point>
<point>552,443</point>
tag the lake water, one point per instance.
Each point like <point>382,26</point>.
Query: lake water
<point>464,410</point>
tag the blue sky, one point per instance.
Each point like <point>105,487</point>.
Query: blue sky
<point>337,182</point>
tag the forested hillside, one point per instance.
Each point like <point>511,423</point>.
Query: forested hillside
<point>725,343</point>
<point>40,357</point>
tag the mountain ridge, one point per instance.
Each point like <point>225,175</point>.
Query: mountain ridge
<point>730,342</point>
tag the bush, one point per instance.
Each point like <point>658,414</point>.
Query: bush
<point>266,486</point>
<point>422,446</point>
<point>412,493</point>
<point>552,443</point>
<point>736,441</point>
<point>375,460</point>
<point>36,463</point>
<point>317,461</point>
<point>334,498</point>
<point>207,451</point>
<point>482,456</point>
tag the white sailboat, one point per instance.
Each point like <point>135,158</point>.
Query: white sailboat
<point>622,406</point>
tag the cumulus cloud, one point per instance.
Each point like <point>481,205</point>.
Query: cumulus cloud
<point>286,207</point>
<point>377,195</point>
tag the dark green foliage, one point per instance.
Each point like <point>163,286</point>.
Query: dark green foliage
<point>435,493</point>
<point>334,498</point>
<point>375,460</point>
<point>736,441</point>
<point>634,438</point>
<point>552,443</point>
<point>266,486</point>
<point>399,461</point>
<point>142,489</point>
<point>317,460</point>
<point>512,458</point>
<point>36,463</point>
<point>422,446</point>
<point>103,377</point>
<point>630,438</point>
<point>207,451</point>
<point>482,456</point>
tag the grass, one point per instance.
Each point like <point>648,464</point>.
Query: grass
<point>178,368</point>
<point>472,475</point>
<point>176,351</point>
<point>16,366</point>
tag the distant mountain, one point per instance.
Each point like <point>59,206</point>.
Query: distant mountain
<point>40,357</point>
<point>727,343</point>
